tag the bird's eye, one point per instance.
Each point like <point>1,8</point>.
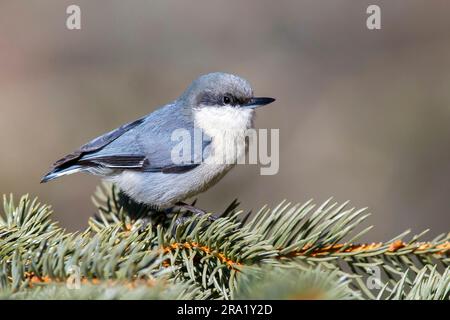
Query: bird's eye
<point>227,99</point>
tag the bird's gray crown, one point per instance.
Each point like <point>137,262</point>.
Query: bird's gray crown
<point>216,89</point>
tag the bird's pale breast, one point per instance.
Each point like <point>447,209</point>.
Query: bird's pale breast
<point>227,129</point>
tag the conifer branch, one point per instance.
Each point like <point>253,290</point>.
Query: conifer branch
<point>131,246</point>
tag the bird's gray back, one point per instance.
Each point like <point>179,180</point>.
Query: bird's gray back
<point>152,138</point>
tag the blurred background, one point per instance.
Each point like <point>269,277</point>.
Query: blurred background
<point>363,115</point>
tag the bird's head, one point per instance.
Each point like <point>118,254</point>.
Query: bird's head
<point>219,90</point>
<point>222,102</point>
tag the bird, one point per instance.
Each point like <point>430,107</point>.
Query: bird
<point>138,156</point>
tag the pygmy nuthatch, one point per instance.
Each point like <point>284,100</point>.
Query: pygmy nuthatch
<point>137,156</point>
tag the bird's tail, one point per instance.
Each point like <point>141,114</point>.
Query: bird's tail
<point>59,172</point>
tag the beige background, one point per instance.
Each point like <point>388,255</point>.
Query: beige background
<point>363,115</point>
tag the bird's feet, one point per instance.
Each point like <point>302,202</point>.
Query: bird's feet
<point>194,210</point>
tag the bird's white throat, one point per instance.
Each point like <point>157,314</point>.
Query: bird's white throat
<point>227,127</point>
<point>213,120</point>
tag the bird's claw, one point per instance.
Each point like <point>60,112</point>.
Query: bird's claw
<point>195,210</point>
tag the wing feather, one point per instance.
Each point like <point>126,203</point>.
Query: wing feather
<point>97,143</point>
<point>147,149</point>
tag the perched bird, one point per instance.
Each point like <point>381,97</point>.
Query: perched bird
<point>137,156</point>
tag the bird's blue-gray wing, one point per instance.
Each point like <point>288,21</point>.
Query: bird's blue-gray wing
<point>97,143</point>
<point>143,145</point>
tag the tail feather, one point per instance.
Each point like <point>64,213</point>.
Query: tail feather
<point>58,172</point>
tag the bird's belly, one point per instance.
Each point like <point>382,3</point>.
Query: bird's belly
<point>165,189</point>
<point>227,129</point>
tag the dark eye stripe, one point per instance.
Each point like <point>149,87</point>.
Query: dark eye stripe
<point>210,99</point>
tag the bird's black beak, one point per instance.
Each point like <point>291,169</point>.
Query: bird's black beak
<point>258,102</point>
